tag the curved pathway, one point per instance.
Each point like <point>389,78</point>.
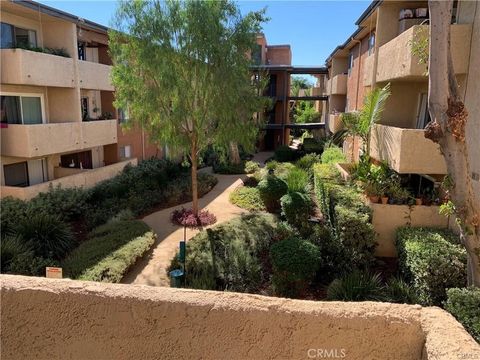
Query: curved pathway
<point>151,269</point>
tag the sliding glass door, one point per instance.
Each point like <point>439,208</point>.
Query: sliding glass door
<point>21,109</point>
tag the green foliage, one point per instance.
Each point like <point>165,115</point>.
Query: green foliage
<point>464,304</point>
<point>306,162</point>
<point>297,180</point>
<point>47,234</point>
<point>357,286</point>
<point>244,167</point>
<point>284,153</point>
<point>431,260</point>
<point>271,190</point>
<point>12,247</point>
<point>109,251</point>
<point>247,198</point>
<point>296,208</point>
<point>333,155</point>
<point>311,145</point>
<point>251,167</point>
<point>28,264</point>
<point>271,165</point>
<point>12,211</point>
<point>228,256</point>
<point>399,291</point>
<point>295,263</point>
<point>419,45</point>
<point>305,113</point>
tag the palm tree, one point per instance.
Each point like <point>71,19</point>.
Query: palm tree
<point>359,123</point>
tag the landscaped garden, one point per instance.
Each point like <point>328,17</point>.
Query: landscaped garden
<point>93,234</point>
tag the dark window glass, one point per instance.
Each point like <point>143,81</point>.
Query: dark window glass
<point>16,174</point>
<point>371,44</point>
<point>81,51</point>
<point>6,40</point>
<point>10,109</point>
<point>84,106</point>
<point>78,160</point>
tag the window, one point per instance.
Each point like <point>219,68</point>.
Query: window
<point>21,109</point>
<point>84,107</point>
<point>123,116</point>
<point>12,36</point>
<point>16,174</point>
<point>371,44</point>
<point>125,152</point>
<point>79,160</point>
<point>423,115</point>
<point>350,63</point>
<point>82,54</point>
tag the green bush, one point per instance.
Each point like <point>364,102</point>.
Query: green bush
<point>296,208</point>
<point>464,304</point>
<point>306,162</point>
<point>295,263</point>
<point>229,256</point>
<point>28,264</point>
<point>12,247</point>
<point>227,168</point>
<point>271,190</point>
<point>399,291</point>
<point>357,286</point>
<point>431,260</point>
<point>12,211</point>
<point>333,155</point>
<point>46,234</point>
<point>109,251</point>
<point>297,180</point>
<point>311,145</point>
<point>247,198</point>
<point>284,153</point>
<point>251,167</point>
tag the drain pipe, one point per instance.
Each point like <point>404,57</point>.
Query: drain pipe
<point>359,68</point>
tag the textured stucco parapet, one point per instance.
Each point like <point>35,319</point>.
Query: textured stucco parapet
<point>46,318</point>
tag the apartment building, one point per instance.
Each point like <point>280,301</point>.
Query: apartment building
<point>59,125</point>
<point>379,52</point>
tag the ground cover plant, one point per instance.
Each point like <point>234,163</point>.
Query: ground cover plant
<point>248,198</point>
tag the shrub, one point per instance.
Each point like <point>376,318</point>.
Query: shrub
<point>357,286</point>
<point>295,263</point>
<point>251,167</point>
<point>48,235</point>
<point>271,190</point>
<point>333,155</point>
<point>306,162</point>
<point>296,208</point>
<point>12,211</point>
<point>247,198</point>
<point>227,256</point>
<point>271,165</point>
<point>185,217</point>
<point>227,168</point>
<point>11,248</point>
<point>464,304</point>
<point>398,291</point>
<point>109,251</point>
<point>311,145</point>
<point>297,180</point>
<point>431,260</point>
<point>28,264</point>
<point>284,153</point>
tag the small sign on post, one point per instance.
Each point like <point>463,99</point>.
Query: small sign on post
<point>53,272</point>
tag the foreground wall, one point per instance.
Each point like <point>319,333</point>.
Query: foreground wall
<point>45,318</point>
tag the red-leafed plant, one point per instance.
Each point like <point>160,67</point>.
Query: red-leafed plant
<point>186,217</point>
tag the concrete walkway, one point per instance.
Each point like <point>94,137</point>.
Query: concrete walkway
<point>151,269</point>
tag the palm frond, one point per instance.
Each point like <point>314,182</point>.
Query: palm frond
<point>373,107</point>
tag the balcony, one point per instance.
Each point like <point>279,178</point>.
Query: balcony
<point>68,178</point>
<point>396,61</point>
<point>407,151</point>
<point>30,141</point>
<point>94,76</point>
<point>25,67</point>
<point>335,123</point>
<point>339,85</point>
<point>317,91</point>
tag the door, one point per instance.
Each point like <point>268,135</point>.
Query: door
<point>84,106</point>
<point>423,115</point>
<point>37,171</point>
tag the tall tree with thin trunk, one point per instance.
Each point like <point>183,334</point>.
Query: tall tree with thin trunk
<point>182,70</point>
<point>447,128</point>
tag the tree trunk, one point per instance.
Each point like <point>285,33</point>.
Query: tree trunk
<point>234,153</point>
<point>194,160</point>
<point>447,128</point>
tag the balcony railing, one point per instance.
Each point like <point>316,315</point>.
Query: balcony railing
<point>396,61</point>
<point>407,151</point>
<point>94,76</point>
<point>83,178</point>
<point>335,123</point>
<point>339,85</point>
<point>25,67</point>
<point>30,141</point>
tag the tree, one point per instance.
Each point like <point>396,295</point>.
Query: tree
<point>447,128</point>
<point>297,83</point>
<point>182,70</point>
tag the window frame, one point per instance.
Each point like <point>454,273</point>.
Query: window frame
<point>14,35</point>
<point>19,94</point>
<point>350,63</point>
<point>17,163</point>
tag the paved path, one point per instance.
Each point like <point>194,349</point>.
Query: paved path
<point>151,269</point>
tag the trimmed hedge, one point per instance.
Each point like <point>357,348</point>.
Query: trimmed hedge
<point>464,304</point>
<point>432,260</point>
<point>109,252</point>
<point>271,190</point>
<point>296,208</point>
<point>247,198</point>
<point>333,155</point>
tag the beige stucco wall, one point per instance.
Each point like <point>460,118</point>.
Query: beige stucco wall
<point>94,76</point>
<point>84,179</point>
<point>388,218</point>
<point>47,318</point>
<point>335,122</point>
<point>339,84</point>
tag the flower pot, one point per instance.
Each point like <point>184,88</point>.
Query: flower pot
<point>418,201</point>
<point>374,198</point>
<point>384,200</point>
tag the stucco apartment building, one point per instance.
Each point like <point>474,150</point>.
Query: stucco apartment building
<point>379,52</point>
<point>59,125</point>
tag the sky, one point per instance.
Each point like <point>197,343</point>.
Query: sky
<point>312,28</point>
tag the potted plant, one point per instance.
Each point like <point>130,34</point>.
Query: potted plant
<point>418,201</point>
<point>373,192</point>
